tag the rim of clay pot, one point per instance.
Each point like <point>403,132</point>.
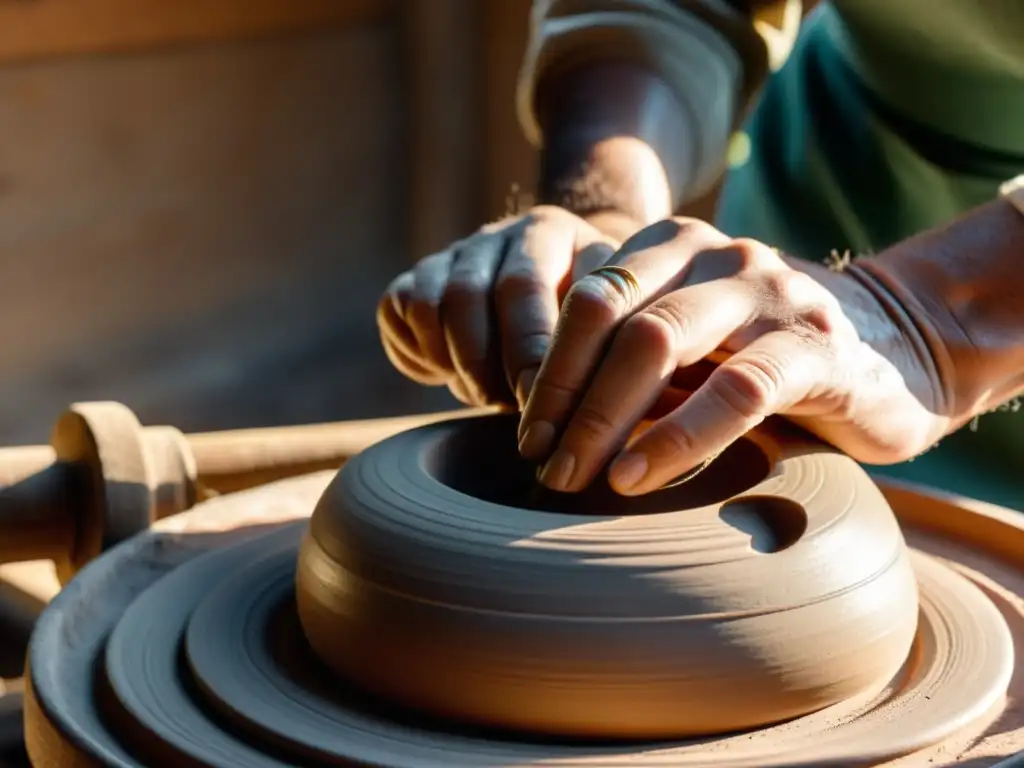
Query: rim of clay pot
<point>391,494</point>
<point>479,458</point>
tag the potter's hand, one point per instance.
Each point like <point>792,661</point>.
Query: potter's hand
<point>478,317</point>
<point>806,342</point>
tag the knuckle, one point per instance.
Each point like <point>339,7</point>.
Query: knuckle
<point>752,254</point>
<point>670,315</point>
<point>749,387</point>
<point>589,423</point>
<point>517,283</point>
<point>670,230</point>
<point>422,301</point>
<point>676,439</point>
<point>434,264</point>
<point>779,286</point>
<point>528,348</point>
<point>596,300</point>
<point>465,286</point>
<point>555,390</point>
<point>689,227</point>
<point>657,330</point>
<point>821,320</point>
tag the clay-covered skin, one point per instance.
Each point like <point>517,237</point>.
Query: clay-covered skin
<point>774,584</point>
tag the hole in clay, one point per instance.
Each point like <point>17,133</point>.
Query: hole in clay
<point>480,458</point>
<point>772,522</point>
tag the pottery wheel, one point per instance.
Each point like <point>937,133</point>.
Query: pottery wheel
<point>183,647</point>
<point>218,676</point>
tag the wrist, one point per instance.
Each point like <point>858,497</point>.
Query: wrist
<point>616,140</point>
<point>617,225</point>
<point>887,331</point>
<point>960,285</point>
<point>619,176</point>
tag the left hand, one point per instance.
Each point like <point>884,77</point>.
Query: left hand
<point>830,358</point>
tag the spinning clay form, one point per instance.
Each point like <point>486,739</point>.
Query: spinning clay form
<point>773,584</point>
<point>440,610</point>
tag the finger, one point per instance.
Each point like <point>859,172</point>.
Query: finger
<point>460,391</point>
<point>410,366</point>
<point>773,373</point>
<point>422,311</point>
<point>467,316</point>
<point>527,293</point>
<point>677,330</point>
<point>398,339</point>
<point>593,309</point>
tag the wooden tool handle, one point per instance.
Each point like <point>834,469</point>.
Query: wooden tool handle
<point>232,461</point>
<point>106,477</point>
<point>35,523</point>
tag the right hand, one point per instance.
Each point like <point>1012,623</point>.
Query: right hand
<point>478,317</point>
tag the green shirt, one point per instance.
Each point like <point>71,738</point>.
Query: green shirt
<point>889,117</point>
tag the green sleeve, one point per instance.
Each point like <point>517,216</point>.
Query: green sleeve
<point>833,163</point>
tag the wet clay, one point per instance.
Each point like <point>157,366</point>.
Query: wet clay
<point>183,647</point>
<point>776,584</point>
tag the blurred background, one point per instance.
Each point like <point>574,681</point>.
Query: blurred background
<point>201,202</point>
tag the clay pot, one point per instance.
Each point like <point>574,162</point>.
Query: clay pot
<point>772,585</point>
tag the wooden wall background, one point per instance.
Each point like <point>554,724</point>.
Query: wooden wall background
<point>200,202</point>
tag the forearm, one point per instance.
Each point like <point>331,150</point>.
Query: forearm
<point>961,288</point>
<point>617,145</point>
<point>632,102</point>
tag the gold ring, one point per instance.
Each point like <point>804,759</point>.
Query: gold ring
<point>623,278</point>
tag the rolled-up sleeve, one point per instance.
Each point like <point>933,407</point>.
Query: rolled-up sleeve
<point>712,54</point>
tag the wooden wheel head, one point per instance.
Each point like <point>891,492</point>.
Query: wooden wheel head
<point>774,584</point>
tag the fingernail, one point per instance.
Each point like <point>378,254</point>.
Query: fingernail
<point>524,385</point>
<point>558,471</point>
<point>536,441</point>
<point>627,471</point>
